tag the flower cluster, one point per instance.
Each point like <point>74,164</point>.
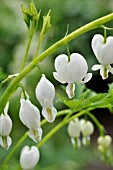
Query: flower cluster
<point>76,127</point>
<point>69,69</point>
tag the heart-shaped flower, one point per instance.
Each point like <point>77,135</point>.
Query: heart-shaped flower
<point>45,93</point>
<point>29,157</point>
<point>87,127</point>
<point>104,54</point>
<point>71,71</point>
<point>104,141</point>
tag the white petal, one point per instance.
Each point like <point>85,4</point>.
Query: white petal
<point>104,72</point>
<point>97,43</point>
<point>61,67</point>
<point>5,142</point>
<point>58,78</point>
<point>45,91</point>
<point>60,61</point>
<point>29,157</point>
<point>36,134</point>
<point>49,113</point>
<point>74,128</point>
<point>5,125</point>
<point>29,114</point>
<point>96,67</point>
<point>110,69</point>
<point>76,143</point>
<point>87,78</point>
<point>87,127</point>
<point>76,68</point>
<point>70,88</point>
<point>107,51</point>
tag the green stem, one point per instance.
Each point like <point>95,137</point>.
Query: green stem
<point>43,122</point>
<point>98,124</point>
<point>38,46</point>
<point>14,150</point>
<point>13,85</point>
<point>26,52</point>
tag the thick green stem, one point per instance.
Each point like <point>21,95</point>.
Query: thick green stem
<point>13,85</point>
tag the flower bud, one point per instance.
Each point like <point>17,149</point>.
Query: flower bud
<point>45,93</point>
<point>30,117</point>
<point>74,128</point>
<point>74,132</point>
<point>104,141</point>
<point>29,157</point>
<point>5,129</point>
<point>86,127</point>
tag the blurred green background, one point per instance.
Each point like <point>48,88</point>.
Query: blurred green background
<point>58,151</point>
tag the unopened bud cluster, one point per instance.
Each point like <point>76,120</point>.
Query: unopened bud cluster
<point>77,127</point>
<point>104,146</point>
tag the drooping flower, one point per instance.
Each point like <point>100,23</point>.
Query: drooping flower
<point>45,93</point>
<point>29,157</point>
<point>30,117</point>
<point>104,141</point>
<point>87,129</point>
<point>104,146</point>
<point>5,129</point>
<point>74,132</point>
<point>104,54</point>
<point>71,71</point>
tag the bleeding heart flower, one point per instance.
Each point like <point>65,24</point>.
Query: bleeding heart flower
<point>104,54</point>
<point>71,71</point>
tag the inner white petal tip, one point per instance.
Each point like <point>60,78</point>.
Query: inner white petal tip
<point>96,67</point>
<point>49,114</point>
<point>35,134</point>
<point>87,78</point>
<point>70,90</point>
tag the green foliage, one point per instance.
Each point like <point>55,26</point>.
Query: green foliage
<point>88,99</point>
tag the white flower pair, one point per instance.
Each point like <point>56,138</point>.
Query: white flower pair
<point>30,114</point>
<point>76,127</point>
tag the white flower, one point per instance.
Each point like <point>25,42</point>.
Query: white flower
<point>104,54</point>
<point>87,127</point>
<point>30,117</point>
<point>74,132</point>
<point>104,141</point>
<point>71,71</point>
<point>5,129</point>
<point>74,128</point>
<point>45,93</point>
<point>29,157</point>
